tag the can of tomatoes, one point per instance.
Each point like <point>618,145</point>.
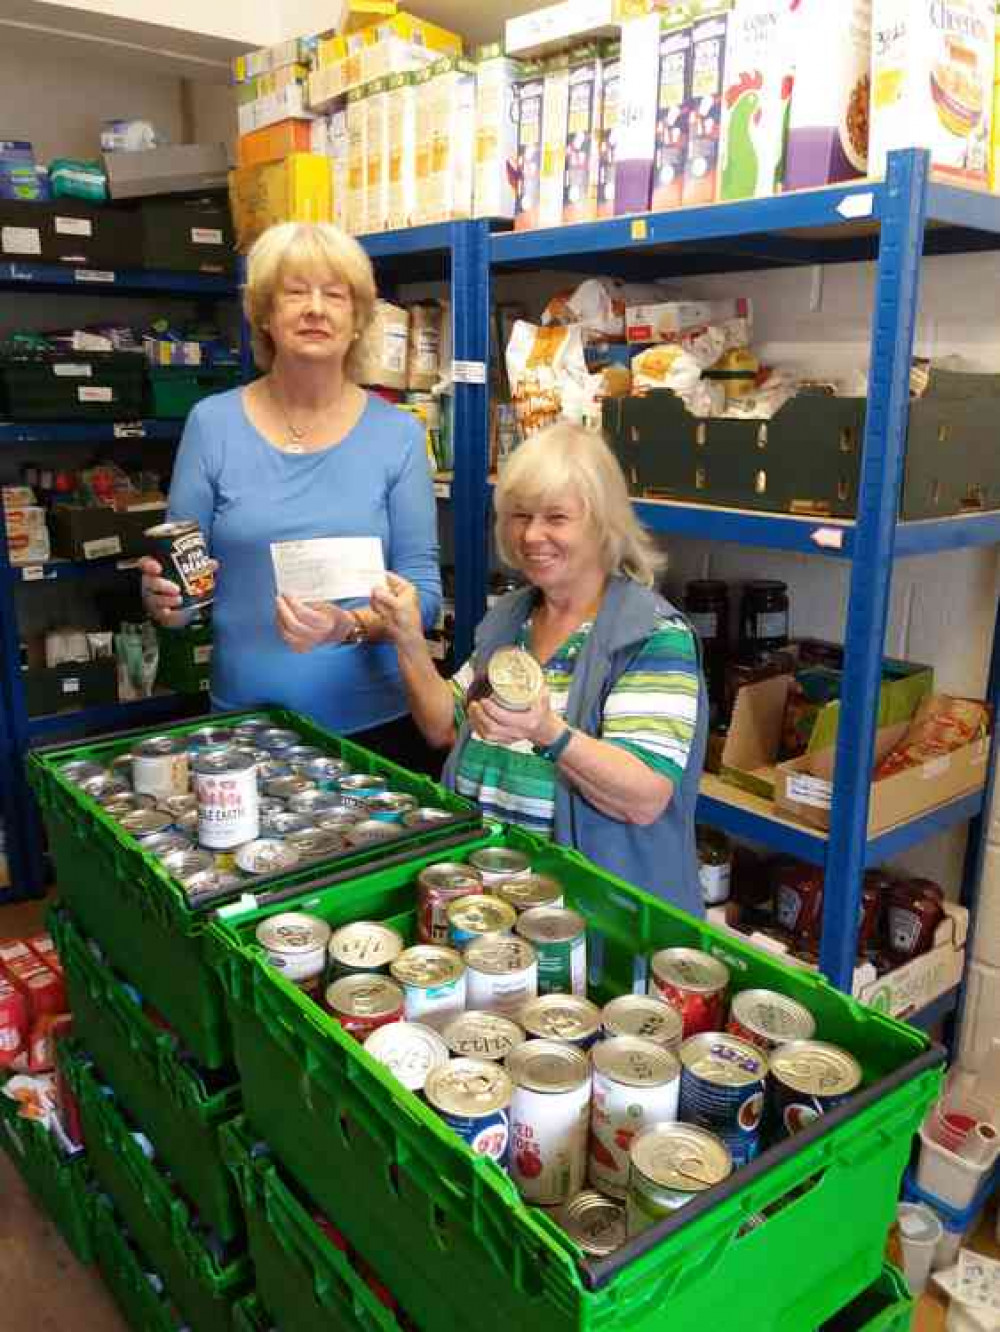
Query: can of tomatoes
<point>362,1003</point>
<point>641,1015</point>
<point>636,1084</point>
<point>694,983</point>
<point>549,1115</point>
<point>768,1019</point>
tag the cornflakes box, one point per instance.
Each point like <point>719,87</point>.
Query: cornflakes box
<point>933,63</point>
<point>496,133</point>
<point>555,118</point>
<point>756,98</point>
<point>608,133</point>
<point>672,115</point>
<point>530,97</point>
<point>831,95</point>
<point>704,121</point>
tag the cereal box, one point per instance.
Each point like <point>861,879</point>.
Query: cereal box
<point>608,134</point>
<point>995,135</point>
<point>401,102</point>
<point>555,117</point>
<point>355,208</point>
<point>530,94</point>
<point>452,95</point>
<point>377,160</point>
<point>932,84</point>
<point>637,98</point>
<point>496,133</point>
<point>704,127</point>
<point>828,123</point>
<point>583,124</point>
<point>338,151</point>
<point>672,114</point>
<point>759,68</point>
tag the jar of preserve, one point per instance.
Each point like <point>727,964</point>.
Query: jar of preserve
<point>763,617</point>
<point>914,911</point>
<point>715,866</point>
<point>706,603</point>
<point>798,902</point>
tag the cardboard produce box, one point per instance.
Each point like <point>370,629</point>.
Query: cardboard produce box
<point>295,190</point>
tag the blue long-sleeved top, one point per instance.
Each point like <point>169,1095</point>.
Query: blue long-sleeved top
<point>246,493</point>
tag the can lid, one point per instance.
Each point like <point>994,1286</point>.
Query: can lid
<point>499,954</point>
<point>774,1016</point>
<point>370,830</point>
<point>816,1068</point>
<point>365,943</point>
<point>394,802</point>
<point>289,785</point>
<point>515,677</point>
<point>424,814</point>
<point>595,1223</point>
<point>364,995</point>
<point>472,1087</point>
<point>313,843</point>
<point>500,860</point>
<point>561,1017</point>
<point>642,1015</point>
<point>450,877</point>
<point>530,890</point>
<point>551,925</point>
<point>362,781</point>
<point>480,914</point>
<point>283,821</point>
<point>409,1050</point>
<point>482,1035</point>
<point>635,1062</point>
<point>142,822</point>
<point>690,969</point>
<point>293,932</point>
<point>427,965</point>
<point>221,762</point>
<point>681,1156</point>
<point>723,1060</point>
<point>548,1066</point>
<point>266,855</point>
<point>159,746</point>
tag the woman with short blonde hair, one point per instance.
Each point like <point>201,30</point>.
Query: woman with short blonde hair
<point>300,454</point>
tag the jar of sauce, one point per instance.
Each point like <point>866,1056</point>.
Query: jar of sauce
<point>763,617</point>
<point>715,866</point>
<point>706,603</point>
<point>875,890</point>
<point>914,911</point>
<point>798,903</point>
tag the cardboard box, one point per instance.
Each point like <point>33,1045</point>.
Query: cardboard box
<point>528,171</point>
<point>637,94</point>
<point>384,349</point>
<point>449,101</point>
<point>95,533</point>
<point>555,116</point>
<point>401,118</point>
<point>544,30</point>
<point>274,143</point>
<point>266,85</point>
<point>672,113</point>
<point>673,321</point>
<point>759,69</point>
<point>377,158</point>
<point>708,80</point>
<point>607,154</point>
<point>175,169</point>
<point>267,59</point>
<point>288,104</point>
<point>583,132</point>
<point>295,190</point>
<point>497,76</point>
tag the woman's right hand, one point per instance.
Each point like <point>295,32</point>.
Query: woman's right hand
<point>398,607</point>
<point>160,596</point>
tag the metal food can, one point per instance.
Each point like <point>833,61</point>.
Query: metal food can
<point>182,552</point>
<point>298,757</point>
<point>694,983</point>
<point>337,820</point>
<point>312,844</point>
<point>368,832</point>
<point>549,1115</point>
<point>768,1019</point>
<point>358,787</point>
<point>226,786</point>
<point>187,822</point>
<point>210,737</point>
<point>281,822</point>
<point>277,740</point>
<point>477,1035</point>
<point>723,1082</point>
<point>270,769</point>
<point>433,981</point>
<point>125,803</point>
<point>516,678</point>
<point>670,1164</point>
<point>284,788</point>
<point>559,936</point>
<point>266,855</point>
<point>808,1078</point>
<point>362,1003</point>
<point>164,843</point>
<point>594,1223</point>
<point>409,1050</point>
<point>641,1015</point>
<point>390,806</point>
<point>215,881</point>
<point>314,801</point>
<point>472,1096</point>
<point>79,771</point>
<point>427,816</point>
<point>143,823</point>
<point>493,864</point>
<point>160,766</point>
<point>296,944</point>
<point>437,887</point>
<point>364,946</point>
<point>179,804</point>
<point>501,974</point>
<point>469,918</point>
<point>250,728</point>
<point>325,771</point>
<point>184,864</point>
<point>635,1084</point>
<point>105,789</point>
<point>562,1017</point>
<point>531,890</point>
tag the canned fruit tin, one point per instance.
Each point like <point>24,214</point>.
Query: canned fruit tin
<point>364,946</point>
<point>493,864</point>
<point>362,1003</point>
<point>641,1015</point>
<point>390,806</point>
<point>210,737</point>
<point>531,890</point>
<point>105,789</point>
<point>312,844</point>
<point>426,816</point>
<point>594,1223</point>
<point>226,786</point>
<point>501,974</point>
<point>358,787</point>
<point>266,855</point>
<point>281,822</point>
<point>296,944</point>
<point>723,1083</point>
<point>549,1115</point>
<point>368,832</point>
<point>80,771</point>
<point>433,981</point>
<point>409,1050</point>
<point>768,1019</point>
<point>473,1096</point>
<point>437,887</point>
<point>562,1017</point>
<point>469,918</point>
<point>182,552</point>
<point>559,936</point>
<point>635,1084</point>
<point>669,1165</point>
<point>515,678</point>
<point>269,770</point>
<point>478,1035</point>
<point>277,740</point>
<point>325,771</point>
<point>694,983</point>
<point>160,766</point>
<point>336,820</point>
<point>314,802</point>
<point>143,823</point>
<point>284,788</point>
<point>179,804</point>
<point>808,1078</point>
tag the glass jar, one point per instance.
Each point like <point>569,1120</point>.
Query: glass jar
<point>706,603</point>
<point>715,866</point>
<point>763,617</point>
<point>914,911</point>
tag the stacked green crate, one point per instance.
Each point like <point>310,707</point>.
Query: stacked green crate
<point>128,1276</point>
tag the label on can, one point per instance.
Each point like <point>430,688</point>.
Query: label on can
<point>433,981</point>
<point>549,1116</point>
<point>439,886</point>
<point>635,1084</point>
<point>722,1089</point>
<point>473,1097</point>
<point>560,940</point>
<point>502,974</point>
<point>227,804</point>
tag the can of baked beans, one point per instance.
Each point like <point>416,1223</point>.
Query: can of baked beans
<point>473,1096</point>
<point>559,936</point>
<point>390,806</point>
<point>768,1019</point>
<point>478,1035</point>
<point>358,787</point>
<point>670,1165</point>
<point>594,1223</point>
<point>437,887</point>
<point>532,890</point>
<point>226,786</point>
<point>808,1079</point>
<point>409,1050</point>
<point>326,772</point>
<point>496,863</point>
<point>641,1015</point>
<point>182,552</point>
<point>723,1081</point>
<point>433,981</point>
<point>635,1084</point>
<point>562,1017</point>
<point>549,1116</point>
<point>694,983</point>
<point>501,973</point>
<point>160,766</point>
<point>266,855</point>
<point>362,1003</point>
<point>364,946</point>
<point>469,918</point>
<point>295,943</point>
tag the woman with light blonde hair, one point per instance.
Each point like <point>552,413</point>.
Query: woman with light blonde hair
<point>304,453</point>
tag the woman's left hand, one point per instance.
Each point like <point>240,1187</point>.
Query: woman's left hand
<point>538,724</point>
<point>305,625</point>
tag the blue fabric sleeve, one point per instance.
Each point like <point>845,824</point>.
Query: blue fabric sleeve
<point>413,526</point>
<point>192,486</point>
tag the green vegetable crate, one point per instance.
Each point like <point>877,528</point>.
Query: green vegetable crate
<point>174,390</point>
<point>60,1185</point>
<point>124,898</point>
<point>452,1238</point>
<point>164,1095</point>
<point>125,1274</point>
<point>203,1288</point>
<point>249,1315</point>
<point>885,1307</point>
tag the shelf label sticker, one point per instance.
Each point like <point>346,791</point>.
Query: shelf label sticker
<point>71,685</point>
<point>855,206</point>
<point>640,229</point>
<point>74,226</point>
<point>20,240</point>
<point>128,564</point>
<point>72,370</point>
<point>93,275</point>
<point>442,489</point>
<point>206,236</point>
<point>807,790</point>
<point>202,655</point>
<point>101,547</point>
<point>468,372</point>
<point>935,768</point>
<point>95,393</point>
<point>32,573</point>
<point>129,430</point>
<point>829,538</point>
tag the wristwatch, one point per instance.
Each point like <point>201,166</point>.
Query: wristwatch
<point>557,748</point>
<point>359,634</point>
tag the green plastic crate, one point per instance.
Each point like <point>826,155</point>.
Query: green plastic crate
<point>447,1226</point>
<point>307,1282</point>
<point>164,1096</point>
<point>156,1216</point>
<point>185,663</point>
<point>885,1307</point>
<point>125,1275</point>
<point>139,914</point>
<point>249,1315</point>
<point>59,1185</point>
<point>174,390</point>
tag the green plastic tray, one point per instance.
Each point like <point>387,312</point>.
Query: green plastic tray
<point>448,1228</point>
<point>307,1282</point>
<point>139,914</point>
<point>59,1186</point>
<point>164,1096</point>
<point>174,390</point>
<point>249,1315</point>
<point>885,1307</point>
<point>157,1218</point>
<point>125,1276</point>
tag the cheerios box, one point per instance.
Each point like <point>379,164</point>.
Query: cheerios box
<point>932,84</point>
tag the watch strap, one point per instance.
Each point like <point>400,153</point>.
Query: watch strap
<point>557,748</point>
